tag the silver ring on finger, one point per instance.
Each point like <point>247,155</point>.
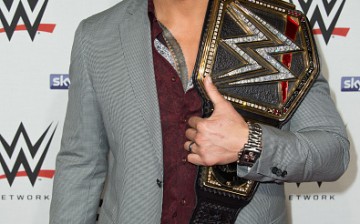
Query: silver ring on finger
<point>190,147</point>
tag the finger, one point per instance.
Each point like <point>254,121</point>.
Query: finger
<point>213,93</point>
<point>190,133</point>
<point>190,146</point>
<point>193,121</point>
<point>194,159</point>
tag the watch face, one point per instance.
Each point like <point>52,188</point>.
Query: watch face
<point>226,175</point>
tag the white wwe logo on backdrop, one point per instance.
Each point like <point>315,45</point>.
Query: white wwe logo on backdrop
<point>325,14</point>
<point>21,151</point>
<point>31,13</point>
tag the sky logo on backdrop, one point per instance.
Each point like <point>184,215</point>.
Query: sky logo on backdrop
<point>350,84</point>
<point>59,81</point>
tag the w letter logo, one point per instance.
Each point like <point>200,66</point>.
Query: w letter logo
<point>324,13</point>
<point>21,151</point>
<point>31,13</point>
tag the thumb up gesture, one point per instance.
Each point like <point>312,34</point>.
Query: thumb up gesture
<point>216,140</point>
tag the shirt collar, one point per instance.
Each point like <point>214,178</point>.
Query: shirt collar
<point>156,30</point>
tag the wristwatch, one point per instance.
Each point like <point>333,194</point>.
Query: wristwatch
<point>252,149</point>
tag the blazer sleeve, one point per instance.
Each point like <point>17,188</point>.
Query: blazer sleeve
<point>312,146</point>
<point>81,164</point>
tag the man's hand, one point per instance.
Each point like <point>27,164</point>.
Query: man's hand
<point>218,138</point>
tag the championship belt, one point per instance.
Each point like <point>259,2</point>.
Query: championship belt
<point>262,58</point>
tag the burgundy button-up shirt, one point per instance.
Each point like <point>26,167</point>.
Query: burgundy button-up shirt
<point>176,107</point>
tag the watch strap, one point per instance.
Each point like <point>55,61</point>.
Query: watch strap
<point>252,149</point>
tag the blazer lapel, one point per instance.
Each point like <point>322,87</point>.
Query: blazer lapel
<point>136,43</point>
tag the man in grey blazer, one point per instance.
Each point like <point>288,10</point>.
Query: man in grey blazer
<point>113,128</point>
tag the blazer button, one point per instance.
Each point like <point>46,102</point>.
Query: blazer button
<point>283,174</point>
<point>159,183</point>
<point>274,170</point>
<point>278,172</point>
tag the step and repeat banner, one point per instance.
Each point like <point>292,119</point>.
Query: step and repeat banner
<point>36,37</point>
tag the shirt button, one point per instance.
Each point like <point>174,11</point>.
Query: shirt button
<point>173,79</point>
<point>183,201</point>
<point>174,215</point>
<point>184,160</point>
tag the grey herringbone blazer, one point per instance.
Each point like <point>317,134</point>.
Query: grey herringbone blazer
<point>113,113</point>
